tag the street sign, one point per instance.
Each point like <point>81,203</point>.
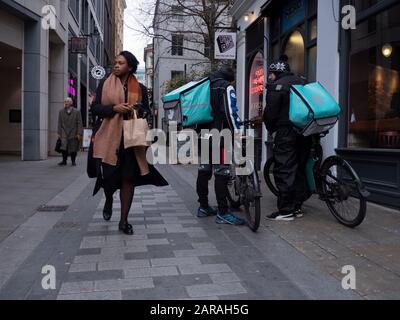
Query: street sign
<point>79,45</point>
<point>98,72</point>
<point>225,45</point>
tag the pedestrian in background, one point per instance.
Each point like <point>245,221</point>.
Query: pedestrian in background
<point>70,131</point>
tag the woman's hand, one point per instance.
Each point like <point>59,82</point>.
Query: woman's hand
<point>122,108</point>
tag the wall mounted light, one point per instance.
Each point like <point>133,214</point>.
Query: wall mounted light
<point>247,16</point>
<point>387,50</point>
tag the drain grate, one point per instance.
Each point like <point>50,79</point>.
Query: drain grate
<point>45,208</point>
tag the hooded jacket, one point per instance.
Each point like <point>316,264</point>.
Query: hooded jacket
<point>223,101</point>
<point>276,113</point>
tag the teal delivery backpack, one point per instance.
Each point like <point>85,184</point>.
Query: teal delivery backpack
<point>190,104</point>
<point>312,109</point>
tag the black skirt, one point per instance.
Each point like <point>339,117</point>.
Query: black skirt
<point>127,169</point>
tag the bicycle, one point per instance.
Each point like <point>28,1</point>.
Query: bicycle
<point>334,181</point>
<point>245,190</point>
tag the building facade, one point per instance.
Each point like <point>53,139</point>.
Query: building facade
<point>119,7</point>
<point>92,20</point>
<point>34,73</point>
<point>359,67</point>
<point>149,72</point>
<point>149,80</point>
<point>178,47</point>
<point>42,70</point>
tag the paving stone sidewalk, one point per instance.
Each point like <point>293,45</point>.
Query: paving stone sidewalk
<point>173,255</point>
<point>169,256</point>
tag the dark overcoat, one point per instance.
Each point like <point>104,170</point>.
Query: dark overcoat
<point>96,169</point>
<point>69,127</point>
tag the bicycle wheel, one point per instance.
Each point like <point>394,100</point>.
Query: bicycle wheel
<point>233,190</point>
<point>269,177</point>
<point>252,202</point>
<point>340,187</point>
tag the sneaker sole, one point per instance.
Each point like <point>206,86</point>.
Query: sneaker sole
<point>284,218</point>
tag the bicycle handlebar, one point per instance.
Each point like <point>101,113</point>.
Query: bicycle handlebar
<point>246,122</point>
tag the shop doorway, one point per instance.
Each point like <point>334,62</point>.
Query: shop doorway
<point>11,100</point>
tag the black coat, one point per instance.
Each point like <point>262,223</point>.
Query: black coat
<point>94,166</point>
<point>276,113</point>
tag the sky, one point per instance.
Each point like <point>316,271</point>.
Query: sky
<point>134,41</point>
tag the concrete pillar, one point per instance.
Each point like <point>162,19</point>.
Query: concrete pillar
<point>58,78</point>
<point>35,92</point>
<point>328,61</point>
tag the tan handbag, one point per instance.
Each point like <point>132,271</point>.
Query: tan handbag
<point>135,132</point>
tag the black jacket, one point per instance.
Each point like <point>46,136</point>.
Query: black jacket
<point>276,113</point>
<point>224,103</point>
<point>100,111</point>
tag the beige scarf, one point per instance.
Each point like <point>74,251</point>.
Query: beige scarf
<point>108,139</point>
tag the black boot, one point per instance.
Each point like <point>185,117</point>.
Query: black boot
<point>126,228</point>
<point>73,159</point>
<point>107,211</point>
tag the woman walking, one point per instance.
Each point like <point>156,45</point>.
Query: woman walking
<point>119,168</point>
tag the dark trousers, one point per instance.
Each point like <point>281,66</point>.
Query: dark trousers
<point>291,153</point>
<point>222,175</point>
<point>65,156</point>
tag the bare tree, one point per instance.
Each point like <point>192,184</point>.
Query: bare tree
<point>196,20</point>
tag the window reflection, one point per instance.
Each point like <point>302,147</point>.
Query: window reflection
<point>256,87</point>
<point>313,29</point>
<point>295,51</point>
<point>312,64</point>
<point>374,113</point>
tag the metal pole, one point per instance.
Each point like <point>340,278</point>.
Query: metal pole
<point>265,147</point>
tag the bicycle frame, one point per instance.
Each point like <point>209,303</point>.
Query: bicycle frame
<point>247,125</point>
<point>314,164</point>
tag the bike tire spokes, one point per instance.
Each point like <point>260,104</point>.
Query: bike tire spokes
<point>340,188</point>
<point>252,204</point>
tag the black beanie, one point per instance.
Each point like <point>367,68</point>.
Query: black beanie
<point>280,66</point>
